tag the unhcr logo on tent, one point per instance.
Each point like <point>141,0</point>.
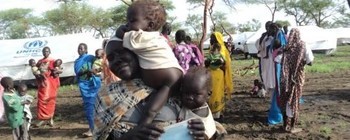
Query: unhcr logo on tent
<point>37,44</point>
<point>32,48</point>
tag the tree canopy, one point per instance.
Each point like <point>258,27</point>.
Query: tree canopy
<point>76,16</point>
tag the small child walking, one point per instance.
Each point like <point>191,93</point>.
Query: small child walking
<point>14,110</point>
<point>26,100</point>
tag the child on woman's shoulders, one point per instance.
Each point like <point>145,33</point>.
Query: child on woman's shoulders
<point>160,68</point>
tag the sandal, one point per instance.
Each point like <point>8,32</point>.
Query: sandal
<point>296,130</point>
<point>50,123</point>
<point>40,123</point>
<point>87,134</point>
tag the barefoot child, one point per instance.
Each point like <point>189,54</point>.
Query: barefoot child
<point>160,68</point>
<point>13,110</point>
<point>26,100</point>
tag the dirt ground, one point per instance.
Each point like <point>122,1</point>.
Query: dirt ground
<point>324,114</point>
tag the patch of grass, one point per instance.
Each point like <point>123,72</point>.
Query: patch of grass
<point>32,92</point>
<point>331,63</point>
<point>322,63</point>
<point>325,130</point>
<point>68,88</point>
<point>343,124</point>
<point>62,89</point>
<point>324,117</point>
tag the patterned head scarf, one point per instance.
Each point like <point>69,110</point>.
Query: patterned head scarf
<point>294,39</point>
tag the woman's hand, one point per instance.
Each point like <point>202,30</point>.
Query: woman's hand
<point>122,29</point>
<point>144,132</point>
<point>197,129</point>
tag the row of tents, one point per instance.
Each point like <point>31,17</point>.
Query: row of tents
<point>16,53</point>
<point>318,39</point>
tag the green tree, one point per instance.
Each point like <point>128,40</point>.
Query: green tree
<point>118,14</point>
<point>207,7</point>
<point>174,25</point>
<point>312,11</point>
<point>101,21</point>
<point>68,18</point>
<point>295,8</point>
<point>15,23</point>
<point>343,21</point>
<point>195,22</point>
<point>283,22</point>
<point>168,4</point>
<point>250,26</point>
<point>221,24</point>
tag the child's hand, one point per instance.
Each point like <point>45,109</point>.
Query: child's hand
<point>121,31</point>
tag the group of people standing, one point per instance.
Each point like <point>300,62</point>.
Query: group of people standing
<point>163,84</point>
<point>282,58</point>
<point>17,102</point>
<point>152,96</point>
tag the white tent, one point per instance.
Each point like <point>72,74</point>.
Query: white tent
<point>249,46</point>
<point>342,35</point>
<point>16,53</point>
<point>241,39</point>
<point>238,39</point>
<point>316,38</point>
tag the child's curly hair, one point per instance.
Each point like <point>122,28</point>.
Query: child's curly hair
<point>152,10</point>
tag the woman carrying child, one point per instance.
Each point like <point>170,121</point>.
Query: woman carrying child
<point>221,78</point>
<point>89,84</point>
<point>48,85</point>
<point>119,107</point>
